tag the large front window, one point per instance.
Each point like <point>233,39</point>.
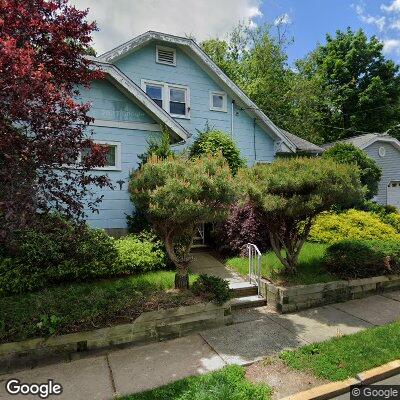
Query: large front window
<point>172,98</point>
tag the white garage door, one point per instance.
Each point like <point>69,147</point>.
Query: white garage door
<point>393,194</point>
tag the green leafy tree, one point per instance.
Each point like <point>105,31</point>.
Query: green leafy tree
<point>370,172</point>
<point>257,62</point>
<point>213,142</point>
<point>178,195</point>
<point>362,87</point>
<point>292,192</point>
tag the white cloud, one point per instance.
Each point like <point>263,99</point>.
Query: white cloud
<point>283,19</point>
<point>395,24</point>
<point>379,22</point>
<point>391,46</point>
<point>393,7</point>
<point>121,20</point>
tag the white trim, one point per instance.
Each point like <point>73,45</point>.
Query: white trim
<point>202,58</point>
<point>224,107</point>
<point>394,142</point>
<point>118,156</point>
<point>138,126</point>
<point>166,49</point>
<point>126,85</point>
<point>166,95</point>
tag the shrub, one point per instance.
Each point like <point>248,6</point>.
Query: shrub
<point>60,251</point>
<point>212,142</point>
<point>141,253</point>
<point>370,172</point>
<point>245,224</point>
<point>392,219</point>
<point>291,192</point>
<point>331,227</point>
<point>363,258</point>
<point>212,289</point>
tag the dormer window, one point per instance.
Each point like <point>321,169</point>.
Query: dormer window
<point>165,55</point>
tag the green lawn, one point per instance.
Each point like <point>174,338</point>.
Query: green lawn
<point>310,268</point>
<point>227,384</point>
<point>346,356</point>
<point>86,306</point>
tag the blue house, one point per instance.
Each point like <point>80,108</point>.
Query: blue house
<point>157,79</point>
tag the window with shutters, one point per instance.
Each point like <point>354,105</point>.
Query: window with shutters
<point>165,55</point>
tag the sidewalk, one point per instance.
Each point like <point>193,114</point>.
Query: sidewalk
<point>255,334</point>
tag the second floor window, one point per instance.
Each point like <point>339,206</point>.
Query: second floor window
<point>172,98</point>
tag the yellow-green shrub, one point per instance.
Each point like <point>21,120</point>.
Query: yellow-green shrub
<point>392,219</point>
<point>353,224</point>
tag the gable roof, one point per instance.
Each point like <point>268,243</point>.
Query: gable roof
<point>195,51</point>
<point>133,91</point>
<point>302,145</point>
<point>365,140</point>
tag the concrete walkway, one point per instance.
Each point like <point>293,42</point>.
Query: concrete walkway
<point>205,263</point>
<point>255,334</point>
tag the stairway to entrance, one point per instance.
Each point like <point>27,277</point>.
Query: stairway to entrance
<point>245,294</point>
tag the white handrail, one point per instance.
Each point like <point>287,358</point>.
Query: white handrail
<point>254,265</point>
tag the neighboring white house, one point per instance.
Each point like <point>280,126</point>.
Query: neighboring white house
<point>385,150</point>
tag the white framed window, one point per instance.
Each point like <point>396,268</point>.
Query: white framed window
<point>173,98</point>
<point>382,151</point>
<point>113,157</point>
<point>165,55</point>
<point>218,101</point>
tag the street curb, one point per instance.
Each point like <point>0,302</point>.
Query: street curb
<point>334,389</point>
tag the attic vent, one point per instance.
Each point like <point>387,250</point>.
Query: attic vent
<point>165,55</point>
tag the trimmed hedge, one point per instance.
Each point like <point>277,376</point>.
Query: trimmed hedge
<point>363,258</point>
<point>332,228</point>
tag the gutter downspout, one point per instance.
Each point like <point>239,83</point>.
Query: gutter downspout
<point>232,110</point>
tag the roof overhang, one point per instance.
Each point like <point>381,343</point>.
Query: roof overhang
<point>194,50</point>
<point>138,96</point>
<point>387,139</point>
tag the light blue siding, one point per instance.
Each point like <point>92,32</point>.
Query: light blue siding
<point>111,104</point>
<point>390,165</point>
<point>141,65</point>
<point>108,103</point>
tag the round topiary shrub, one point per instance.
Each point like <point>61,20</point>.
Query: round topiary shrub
<point>214,141</point>
<point>212,288</point>
<point>353,224</point>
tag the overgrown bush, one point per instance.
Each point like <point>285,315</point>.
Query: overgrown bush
<point>363,258</point>
<point>59,252</point>
<point>62,252</point>
<point>245,224</point>
<point>212,288</point>
<point>214,141</point>
<point>353,224</point>
<point>138,254</point>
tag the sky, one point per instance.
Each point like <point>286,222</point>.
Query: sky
<point>306,21</point>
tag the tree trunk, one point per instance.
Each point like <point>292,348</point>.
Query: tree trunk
<point>182,266</point>
<point>182,279</point>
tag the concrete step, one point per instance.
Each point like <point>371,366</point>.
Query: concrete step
<point>243,289</point>
<point>196,248</point>
<point>248,302</point>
